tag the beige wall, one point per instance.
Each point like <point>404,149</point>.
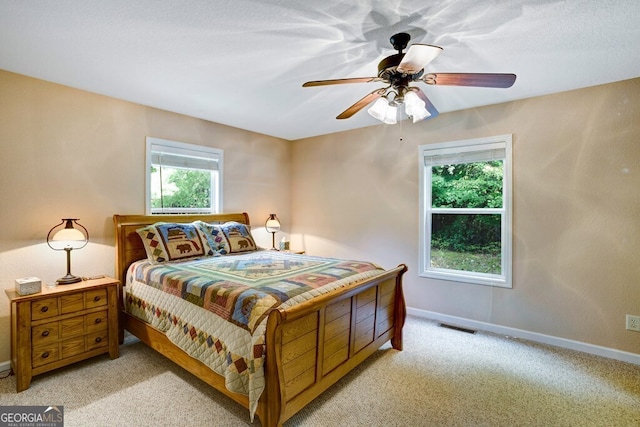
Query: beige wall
<point>576,210</point>
<point>69,153</point>
<point>354,194</point>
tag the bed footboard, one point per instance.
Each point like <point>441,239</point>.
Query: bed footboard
<point>312,345</point>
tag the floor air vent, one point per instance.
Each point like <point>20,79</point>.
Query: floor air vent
<point>457,328</point>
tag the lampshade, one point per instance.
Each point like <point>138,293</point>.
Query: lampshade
<point>66,237</point>
<point>420,114</point>
<point>412,101</point>
<point>273,226</point>
<point>391,115</point>
<point>70,237</point>
<point>415,107</point>
<point>379,109</point>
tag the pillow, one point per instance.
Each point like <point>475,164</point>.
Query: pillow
<point>217,240</point>
<point>174,242</point>
<point>238,236</point>
<point>231,237</point>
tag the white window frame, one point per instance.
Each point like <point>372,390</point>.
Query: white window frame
<point>501,143</point>
<point>192,155</point>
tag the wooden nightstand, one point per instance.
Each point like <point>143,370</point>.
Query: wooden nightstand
<point>62,325</point>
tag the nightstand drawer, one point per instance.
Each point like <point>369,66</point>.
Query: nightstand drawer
<point>98,339</point>
<point>96,298</point>
<point>44,333</point>
<point>72,303</point>
<point>97,321</point>
<point>44,308</point>
<point>44,354</point>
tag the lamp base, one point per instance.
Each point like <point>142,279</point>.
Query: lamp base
<point>68,279</point>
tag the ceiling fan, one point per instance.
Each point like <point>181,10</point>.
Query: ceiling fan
<point>398,71</point>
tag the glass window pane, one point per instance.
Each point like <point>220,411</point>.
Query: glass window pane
<point>467,185</point>
<point>180,188</point>
<point>468,242</point>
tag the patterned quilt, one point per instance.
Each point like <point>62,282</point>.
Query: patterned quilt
<point>216,308</point>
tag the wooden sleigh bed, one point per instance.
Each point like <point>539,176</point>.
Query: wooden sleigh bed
<point>302,357</point>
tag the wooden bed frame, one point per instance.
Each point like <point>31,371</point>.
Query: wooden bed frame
<point>309,346</point>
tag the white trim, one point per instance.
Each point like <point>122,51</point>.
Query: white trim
<point>454,146</point>
<point>5,366</point>
<point>597,350</point>
<point>426,151</point>
<point>183,149</point>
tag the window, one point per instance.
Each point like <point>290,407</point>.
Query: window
<point>465,225</point>
<point>183,178</point>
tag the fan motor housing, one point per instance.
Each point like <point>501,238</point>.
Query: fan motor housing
<point>389,63</point>
<point>387,71</point>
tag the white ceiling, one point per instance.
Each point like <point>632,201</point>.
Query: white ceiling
<point>242,62</point>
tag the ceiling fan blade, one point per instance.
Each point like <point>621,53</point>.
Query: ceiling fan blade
<point>341,81</point>
<point>361,104</point>
<point>470,79</point>
<point>417,57</point>
<point>427,103</point>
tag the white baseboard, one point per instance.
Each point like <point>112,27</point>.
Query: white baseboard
<point>531,336</point>
<point>503,330</point>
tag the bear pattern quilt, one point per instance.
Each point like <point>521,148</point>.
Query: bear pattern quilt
<point>215,308</point>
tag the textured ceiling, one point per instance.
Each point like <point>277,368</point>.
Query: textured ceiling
<point>242,62</point>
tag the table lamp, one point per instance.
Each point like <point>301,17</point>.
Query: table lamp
<point>66,237</point>
<point>273,226</point>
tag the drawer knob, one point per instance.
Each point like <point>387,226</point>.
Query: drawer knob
<point>45,354</point>
<point>45,334</point>
<point>98,320</point>
<point>44,309</point>
<point>98,339</point>
<point>96,298</point>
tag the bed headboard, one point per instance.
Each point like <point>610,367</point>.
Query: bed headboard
<point>129,247</point>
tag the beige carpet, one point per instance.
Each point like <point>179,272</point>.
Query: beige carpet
<point>442,378</point>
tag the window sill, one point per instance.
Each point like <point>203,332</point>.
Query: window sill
<point>468,277</point>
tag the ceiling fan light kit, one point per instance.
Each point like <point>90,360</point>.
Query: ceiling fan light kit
<point>401,69</point>
<point>387,111</point>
